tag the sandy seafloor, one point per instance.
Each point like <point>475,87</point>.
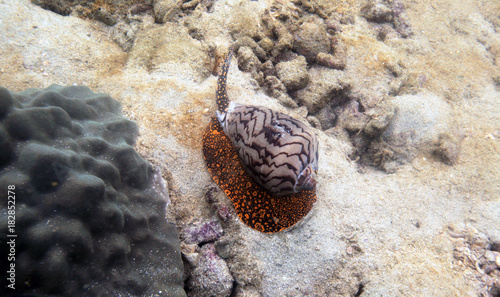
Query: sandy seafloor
<point>370,233</point>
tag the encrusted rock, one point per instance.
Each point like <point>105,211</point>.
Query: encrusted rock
<point>276,87</point>
<point>379,119</point>
<point>247,42</point>
<point>351,118</point>
<point>268,68</point>
<point>266,44</point>
<point>314,122</point>
<point>378,11</point>
<point>311,39</point>
<point>285,38</point>
<point>387,11</point>
<point>325,86</point>
<point>293,74</point>
<point>447,149</point>
<point>247,60</point>
<point>335,62</point>
<point>211,277</point>
<point>202,232</point>
<point>166,10</point>
<point>480,255</point>
<point>327,117</point>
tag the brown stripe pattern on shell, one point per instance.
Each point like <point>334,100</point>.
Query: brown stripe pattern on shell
<point>255,206</point>
<point>278,151</point>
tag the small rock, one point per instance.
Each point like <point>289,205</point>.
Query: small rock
<point>247,60</point>
<point>314,122</point>
<point>211,277</point>
<point>190,252</point>
<point>248,42</point>
<point>104,16</point>
<point>276,87</point>
<point>378,11</point>
<point>293,74</point>
<point>380,154</point>
<point>268,69</point>
<point>311,39</point>
<point>205,232</point>
<point>480,241</point>
<point>490,255</point>
<point>325,86</point>
<point>192,4</point>
<point>448,149</point>
<point>401,22</point>
<point>351,118</point>
<point>223,247</point>
<point>387,11</point>
<point>419,119</point>
<point>379,119</point>
<point>334,62</point>
<point>266,44</point>
<point>124,34</point>
<point>327,117</point>
<point>402,25</point>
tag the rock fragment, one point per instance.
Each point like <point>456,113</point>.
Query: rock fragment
<point>211,276</point>
<point>311,39</point>
<point>325,86</point>
<point>293,74</point>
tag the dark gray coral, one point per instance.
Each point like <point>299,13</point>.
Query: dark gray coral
<point>89,210</point>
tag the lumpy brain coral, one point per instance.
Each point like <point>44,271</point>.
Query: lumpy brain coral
<point>90,212</point>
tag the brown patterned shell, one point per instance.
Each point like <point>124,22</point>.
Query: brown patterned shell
<point>255,206</point>
<point>278,151</point>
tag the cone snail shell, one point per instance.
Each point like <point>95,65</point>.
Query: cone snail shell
<point>278,151</point>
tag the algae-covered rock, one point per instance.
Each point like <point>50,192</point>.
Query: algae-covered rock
<point>89,211</point>
<point>211,276</point>
<point>293,73</point>
<point>326,86</point>
<point>166,10</point>
<point>311,39</point>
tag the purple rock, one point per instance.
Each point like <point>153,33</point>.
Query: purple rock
<point>205,232</point>
<point>211,277</point>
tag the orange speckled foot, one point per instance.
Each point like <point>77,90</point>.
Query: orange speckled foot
<point>256,207</point>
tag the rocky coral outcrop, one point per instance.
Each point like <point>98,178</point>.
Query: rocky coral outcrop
<point>89,211</point>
